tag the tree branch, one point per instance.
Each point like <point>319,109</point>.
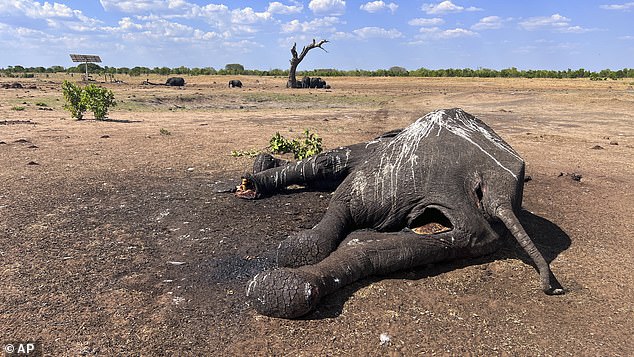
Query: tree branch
<point>310,47</point>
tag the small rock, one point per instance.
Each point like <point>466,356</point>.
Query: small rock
<point>21,141</point>
<point>614,142</point>
<point>32,163</point>
<point>190,169</point>
<point>576,177</point>
<point>528,178</point>
<point>176,263</point>
<point>33,147</point>
<point>105,136</point>
<point>597,147</point>
<point>385,339</point>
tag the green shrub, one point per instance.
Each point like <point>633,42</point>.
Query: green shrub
<point>280,145</point>
<point>98,100</point>
<point>92,97</point>
<point>309,147</point>
<point>164,131</point>
<point>18,108</point>
<point>301,148</point>
<point>74,103</point>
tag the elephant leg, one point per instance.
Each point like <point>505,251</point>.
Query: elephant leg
<point>328,168</point>
<point>291,293</point>
<point>313,245</point>
<point>264,162</point>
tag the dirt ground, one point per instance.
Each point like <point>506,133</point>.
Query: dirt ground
<point>114,242</point>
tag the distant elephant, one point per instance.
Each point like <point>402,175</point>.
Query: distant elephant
<point>14,85</point>
<point>305,83</point>
<point>175,82</point>
<point>317,83</point>
<point>235,83</point>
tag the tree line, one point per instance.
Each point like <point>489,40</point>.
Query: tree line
<point>396,71</point>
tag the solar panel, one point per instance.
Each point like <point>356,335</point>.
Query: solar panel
<point>85,58</point>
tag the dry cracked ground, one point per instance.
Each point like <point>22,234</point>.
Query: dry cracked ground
<point>114,242</point>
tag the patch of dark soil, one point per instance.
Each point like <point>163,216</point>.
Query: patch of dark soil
<point>16,122</point>
<point>110,244</point>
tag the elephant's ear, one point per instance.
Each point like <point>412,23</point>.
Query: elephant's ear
<point>549,283</point>
<point>389,134</point>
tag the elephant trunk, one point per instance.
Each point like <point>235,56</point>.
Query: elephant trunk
<point>549,282</point>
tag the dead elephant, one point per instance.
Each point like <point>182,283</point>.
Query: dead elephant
<point>443,188</point>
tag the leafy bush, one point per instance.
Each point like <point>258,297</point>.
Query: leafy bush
<point>280,145</point>
<point>164,131</point>
<point>18,108</point>
<point>98,100</point>
<point>301,148</point>
<point>74,103</point>
<point>92,97</point>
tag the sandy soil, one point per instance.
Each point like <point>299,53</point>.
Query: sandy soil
<point>113,242</point>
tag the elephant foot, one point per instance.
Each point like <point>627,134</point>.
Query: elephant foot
<point>248,188</point>
<point>303,248</point>
<point>266,161</point>
<point>285,293</point>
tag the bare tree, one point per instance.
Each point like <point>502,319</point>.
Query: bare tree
<point>292,81</point>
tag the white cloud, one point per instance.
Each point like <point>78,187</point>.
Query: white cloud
<point>376,32</point>
<point>319,25</point>
<point>457,32</point>
<point>489,23</point>
<point>554,22</point>
<point>626,7</point>
<point>435,33</point>
<point>575,29</point>
<point>331,7</point>
<point>135,6</point>
<point>279,8</point>
<point>36,10</point>
<point>248,16</point>
<point>446,7</point>
<point>426,22</point>
<point>540,22</point>
<point>127,24</point>
<point>376,6</point>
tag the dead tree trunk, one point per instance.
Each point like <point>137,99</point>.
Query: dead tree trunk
<point>292,80</point>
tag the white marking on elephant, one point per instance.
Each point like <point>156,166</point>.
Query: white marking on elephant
<point>367,144</point>
<point>353,241</point>
<point>307,290</point>
<point>336,280</point>
<point>404,147</point>
<point>252,284</point>
<point>359,184</point>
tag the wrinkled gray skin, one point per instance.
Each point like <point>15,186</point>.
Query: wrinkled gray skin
<point>175,82</point>
<point>448,167</point>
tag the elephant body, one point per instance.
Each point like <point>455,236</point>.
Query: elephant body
<point>305,83</point>
<point>235,83</point>
<point>443,188</point>
<point>175,82</point>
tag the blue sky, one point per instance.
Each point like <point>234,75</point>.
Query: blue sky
<point>497,34</point>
